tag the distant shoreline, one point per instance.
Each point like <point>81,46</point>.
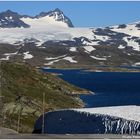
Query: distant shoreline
<point>99,68</point>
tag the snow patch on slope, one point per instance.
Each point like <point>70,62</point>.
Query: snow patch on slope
<point>8,55</point>
<point>137,64</point>
<point>70,59</point>
<point>52,62</point>
<point>89,48</point>
<point>5,59</point>
<point>102,38</point>
<point>53,58</point>
<point>98,58</point>
<point>73,49</point>
<point>132,43</point>
<point>27,55</point>
<point>59,58</point>
<point>131,30</point>
<point>121,47</point>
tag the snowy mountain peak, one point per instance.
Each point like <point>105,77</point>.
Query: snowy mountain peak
<point>57,15</point>
<point>10,19</point>
<point>57,10</point>
<point>9,12</point>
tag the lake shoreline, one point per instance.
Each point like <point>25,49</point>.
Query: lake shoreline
<point>109,88</point>
<point>99,68</point>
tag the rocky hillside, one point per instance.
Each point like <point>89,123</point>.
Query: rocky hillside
<point>23,88</point>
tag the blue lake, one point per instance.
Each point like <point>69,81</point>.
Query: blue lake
<point>111,88</point>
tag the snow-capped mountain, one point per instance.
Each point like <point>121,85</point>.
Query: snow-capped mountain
<point>57,15</point>
<point>51,41</point>
<point>10,19</point>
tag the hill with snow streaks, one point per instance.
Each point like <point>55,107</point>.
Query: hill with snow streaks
<point>104,120</point>
<point>52,34</point>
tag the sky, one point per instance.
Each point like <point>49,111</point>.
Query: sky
<point>82,14</point>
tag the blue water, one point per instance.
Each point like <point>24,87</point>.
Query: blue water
<point>111,88</point>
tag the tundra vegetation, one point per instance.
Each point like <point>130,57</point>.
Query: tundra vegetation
<point>26,93</point>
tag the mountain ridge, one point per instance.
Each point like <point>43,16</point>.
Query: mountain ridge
<point>57,45</point>
<point>10,19</point>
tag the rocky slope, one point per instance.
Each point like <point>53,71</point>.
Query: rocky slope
<point>23,89</point>
<point>10,19</point>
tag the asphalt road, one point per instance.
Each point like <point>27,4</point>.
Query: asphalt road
<point>6,133</point>
<point>76,136</point>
